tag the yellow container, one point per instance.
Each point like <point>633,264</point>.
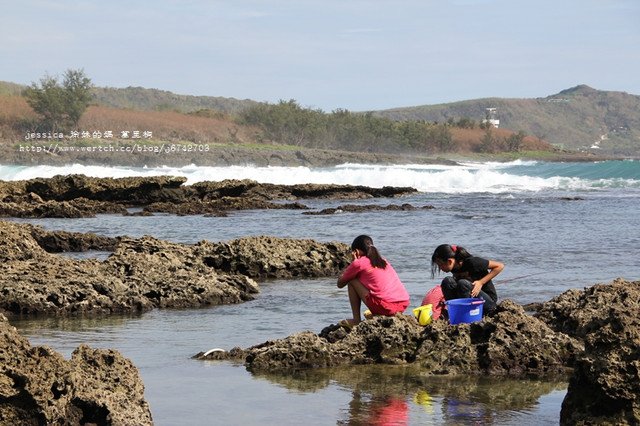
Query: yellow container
<point>423,314</point>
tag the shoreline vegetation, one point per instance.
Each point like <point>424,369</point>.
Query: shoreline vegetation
<point>586,120</point>
<point>260,134</point>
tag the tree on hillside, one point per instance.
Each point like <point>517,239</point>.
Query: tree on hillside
<point>286,122</point>
<point>489,143</point>
<point>440,136</point>
<point>60,105</point>
<point>514,142</point>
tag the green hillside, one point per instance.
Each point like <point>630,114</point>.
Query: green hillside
<point>158,100</point>
<point>578,118</point>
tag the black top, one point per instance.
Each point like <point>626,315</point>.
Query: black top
<point>474,268</point>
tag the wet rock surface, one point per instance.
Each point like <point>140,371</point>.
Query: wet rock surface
<point>605,385</point>
<point>267,191</point>
<point>146,273</point>
<point>63,241</point>
<point>77,196</point>
<point>510,343</point>
<point>38,386</point>
<point>356,208</point>
<point>266,257</point>
<point>219,207</point>
<point>133,190</point>
<point>78,208</point>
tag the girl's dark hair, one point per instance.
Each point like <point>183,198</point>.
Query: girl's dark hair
<point>365,243</point>
<point>444,252</point>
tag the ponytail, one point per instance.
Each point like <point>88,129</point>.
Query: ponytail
<point>447,251</point>
<point>364,243</point>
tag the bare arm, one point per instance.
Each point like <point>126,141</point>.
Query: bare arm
<point>341,279</point>
<point>494,269</point>
<point>341,282</point>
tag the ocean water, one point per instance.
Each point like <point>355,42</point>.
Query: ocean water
<point>556,226</point>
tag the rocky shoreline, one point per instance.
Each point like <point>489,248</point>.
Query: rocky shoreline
<point>569,334</point>
<point>38,386</point>
<point>591,335</point>
<point>146,273</point>
<point>76,196</point>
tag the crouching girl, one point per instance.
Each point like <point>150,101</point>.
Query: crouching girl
<point>371,279</point>
<point>471,275</point>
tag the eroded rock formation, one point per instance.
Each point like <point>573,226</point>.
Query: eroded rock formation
<point>38,386</point>
<point>355,208</point>
<point>76,196</point>
<point>146,273</point>
<point>509,343</point>
<point>594,334</point>
<point>605,385</point>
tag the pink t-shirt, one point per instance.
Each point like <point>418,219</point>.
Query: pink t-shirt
<point>382,283</point>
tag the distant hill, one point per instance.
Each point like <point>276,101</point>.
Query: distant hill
<point>160,100</point>
<point>7,88</point>
<point>142,99</point>
<point>579,118</point>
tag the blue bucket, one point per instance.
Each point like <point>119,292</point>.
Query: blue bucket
<point>464,310</point>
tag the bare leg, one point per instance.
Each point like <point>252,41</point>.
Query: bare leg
<point>357,294</point>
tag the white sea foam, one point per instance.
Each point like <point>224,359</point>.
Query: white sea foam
<point>467,178</point>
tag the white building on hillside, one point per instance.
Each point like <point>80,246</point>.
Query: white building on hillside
<point>491,117</point>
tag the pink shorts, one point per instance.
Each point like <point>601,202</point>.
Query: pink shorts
<point>381,307</point>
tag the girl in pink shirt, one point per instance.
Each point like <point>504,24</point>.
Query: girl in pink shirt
<point>372,280</point>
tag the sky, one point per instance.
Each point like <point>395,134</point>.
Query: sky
<point>329,54</point>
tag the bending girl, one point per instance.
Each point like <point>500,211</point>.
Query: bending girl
<point>372,280</point>
<point>471,275</point>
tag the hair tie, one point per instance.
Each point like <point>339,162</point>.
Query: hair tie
<point>454,248</point>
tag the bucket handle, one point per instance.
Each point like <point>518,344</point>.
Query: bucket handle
<point>475,302</point>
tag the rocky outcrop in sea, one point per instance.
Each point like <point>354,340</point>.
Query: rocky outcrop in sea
<point>509,343</point>
<point>39,387</point>
<point>77,196</point>
<point>146,273</point>
<point>354,208</point>
<point>605,385</point>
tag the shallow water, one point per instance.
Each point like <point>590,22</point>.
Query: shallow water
<point>559,237</point>
<point>183,391</point>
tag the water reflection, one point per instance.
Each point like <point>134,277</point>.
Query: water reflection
<point>399,395</point>
<point>44,325</point>
<point>376,410</point>
<point>66,334</point>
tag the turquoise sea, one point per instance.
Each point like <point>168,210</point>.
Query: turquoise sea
<point>558,225</point>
